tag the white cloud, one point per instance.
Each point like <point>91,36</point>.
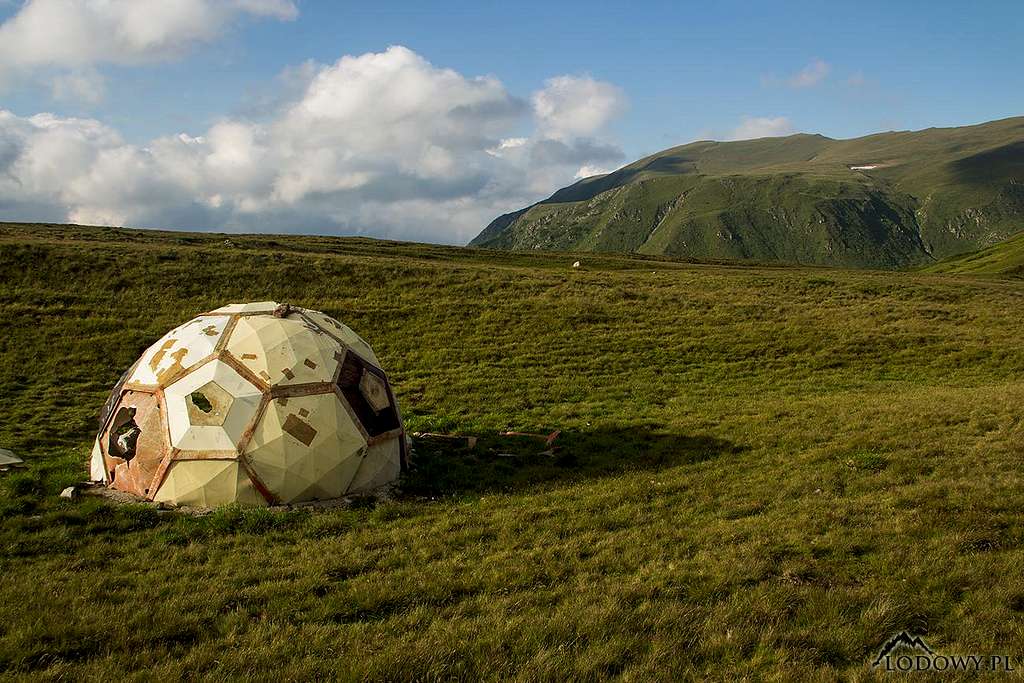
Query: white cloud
<point>506,145</point>
<point>571,106</point>
<point>811,75</point>
<point>278,9</point>
<point>752,127</point>
<point>588,170</point>
<point>384,144</point>
<point>80,86</point>
<point>78,34</point>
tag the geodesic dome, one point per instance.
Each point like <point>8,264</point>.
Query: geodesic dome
<point>259,403</point>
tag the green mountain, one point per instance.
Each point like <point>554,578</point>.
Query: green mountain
<point>883,201</point>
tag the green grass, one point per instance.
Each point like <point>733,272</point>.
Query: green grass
<point>1005,259</point>
<point>764,472</point>
<point>936,193</point>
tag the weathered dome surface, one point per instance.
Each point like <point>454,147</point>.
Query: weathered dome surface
<point>257,403</point>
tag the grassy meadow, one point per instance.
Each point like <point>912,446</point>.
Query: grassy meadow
<point>763,473</point>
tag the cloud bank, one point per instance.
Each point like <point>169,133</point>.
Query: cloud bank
<point>81,33</point>
<point>569,107</point>
<point>752,127</point>
<point>384,144</point>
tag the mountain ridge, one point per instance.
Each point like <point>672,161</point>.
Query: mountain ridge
<point>887,200</point>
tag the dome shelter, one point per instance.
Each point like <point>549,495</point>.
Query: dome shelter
<point>258,403</point>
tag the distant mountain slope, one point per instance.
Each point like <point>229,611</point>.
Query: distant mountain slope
<point>885,201</point>
<point>1004,259</point>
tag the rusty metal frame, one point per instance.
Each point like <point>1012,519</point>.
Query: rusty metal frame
<point>240,314</point>
<point>243,444</point>
<point>229,327</point>
<point>307,389</point>
<point>257,483</point>
<point>161,472</point>
<point>250,429</point>
<point>303,313</point>
<point>352,414</point>
<point>182,456</point>
<point>227,358</point>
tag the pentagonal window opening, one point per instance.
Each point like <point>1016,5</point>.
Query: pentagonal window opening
<point>369,398</point>
<point>208,405</point>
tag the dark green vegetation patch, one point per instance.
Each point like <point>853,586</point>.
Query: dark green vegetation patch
<point>762,473</point>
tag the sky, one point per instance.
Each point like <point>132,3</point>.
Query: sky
<point>424,121</point>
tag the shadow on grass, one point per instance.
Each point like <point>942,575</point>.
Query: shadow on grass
<point>445,467</point>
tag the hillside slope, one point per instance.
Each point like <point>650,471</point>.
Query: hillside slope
<point>1005,259</point>
<point>885,201</point>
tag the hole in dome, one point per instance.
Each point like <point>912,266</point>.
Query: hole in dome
<point>124,434</point>
<point>200,401</point>
<point>134,442</point>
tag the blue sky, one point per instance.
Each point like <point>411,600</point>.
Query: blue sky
<point>673,72</point>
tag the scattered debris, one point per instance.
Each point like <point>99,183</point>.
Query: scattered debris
<point>9,460</point>
<point>70,493</point>
<point>282,310</point>
<point>471,441</point>
<point>547,438</point>
<point>578,264</point>
<point>228,243</point>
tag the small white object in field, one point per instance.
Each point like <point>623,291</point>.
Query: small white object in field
<point>8,458</point>
<point>578,264</point>
<point>69,493</point>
